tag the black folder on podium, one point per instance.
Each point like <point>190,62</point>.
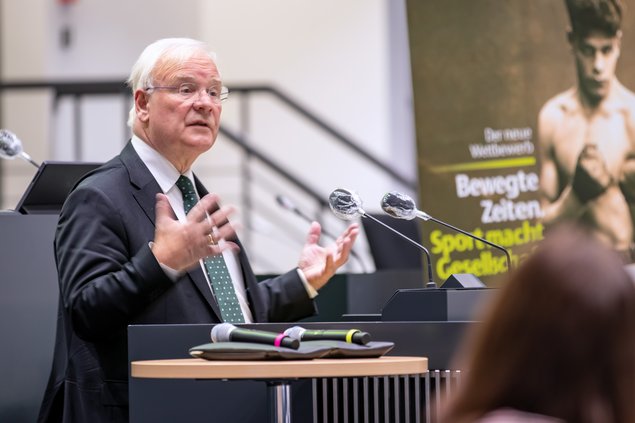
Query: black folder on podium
<point>51,184</point>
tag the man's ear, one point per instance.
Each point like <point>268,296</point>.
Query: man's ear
<point>141,105</point>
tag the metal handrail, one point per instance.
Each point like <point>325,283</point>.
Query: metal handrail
<point>246,145</point>
<point>78,89</point>
<point>62,88</point>
<point>312,117</point>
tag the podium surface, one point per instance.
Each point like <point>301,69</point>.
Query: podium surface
<point>199,368</point>
<point>277,373</point>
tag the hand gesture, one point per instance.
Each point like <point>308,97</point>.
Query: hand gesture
<point>591,177</point>
<point>320,263</point>
<point>180,245</point>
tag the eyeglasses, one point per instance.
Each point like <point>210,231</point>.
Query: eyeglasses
<point>189,91</point>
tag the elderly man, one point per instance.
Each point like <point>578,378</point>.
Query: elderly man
<point>135,245</point>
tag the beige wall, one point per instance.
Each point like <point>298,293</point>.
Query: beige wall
<point>23,26</point>
<point>334,57</point>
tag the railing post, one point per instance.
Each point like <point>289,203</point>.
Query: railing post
<point>246,168</point>
<point>77,127</point>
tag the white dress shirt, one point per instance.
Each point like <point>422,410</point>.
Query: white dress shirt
<point>166,176</point>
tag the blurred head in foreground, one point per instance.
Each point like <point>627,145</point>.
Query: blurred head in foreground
<point>558,340</point>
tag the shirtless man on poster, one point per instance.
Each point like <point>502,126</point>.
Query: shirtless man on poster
<point>587,133</point>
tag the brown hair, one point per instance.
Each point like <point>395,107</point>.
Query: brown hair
<point>587,16</point>
<point>558,340</point>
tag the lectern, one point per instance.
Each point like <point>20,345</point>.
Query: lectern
<point>28,310</point>
<point>29,289</point>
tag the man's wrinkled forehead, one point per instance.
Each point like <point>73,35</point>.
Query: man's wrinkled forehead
<point>172,68</point>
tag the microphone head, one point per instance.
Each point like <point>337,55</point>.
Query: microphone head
<point>10,145</point>
<point>221,331</point>
<point>399,205</point>
<point>345,204</point>
<point>295,332</point>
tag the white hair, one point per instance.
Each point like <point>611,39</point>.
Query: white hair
<point>169,50</point>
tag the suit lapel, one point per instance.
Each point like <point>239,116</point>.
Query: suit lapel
<point>145,189</point>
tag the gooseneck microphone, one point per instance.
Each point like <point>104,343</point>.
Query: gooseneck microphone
<point>287,204</point>
<point>226,332</point>
<point>347,205</point>
<point>11,147</point>
<point>401,206</point>
<point>352,336</point>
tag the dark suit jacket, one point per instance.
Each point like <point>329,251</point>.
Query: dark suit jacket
<point>110,279</point>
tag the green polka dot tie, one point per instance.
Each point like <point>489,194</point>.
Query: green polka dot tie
<point>221,282</point>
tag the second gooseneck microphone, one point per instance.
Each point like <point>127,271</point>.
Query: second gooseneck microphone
<point>347,205</point>
<point>401,206</point>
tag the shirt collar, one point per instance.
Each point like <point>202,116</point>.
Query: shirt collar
<point>160,167</point>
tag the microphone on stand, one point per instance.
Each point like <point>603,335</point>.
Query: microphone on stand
<point>11,147</point>
<point>287,204</point>
<point>401,206</point>
<point>347,205</point>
